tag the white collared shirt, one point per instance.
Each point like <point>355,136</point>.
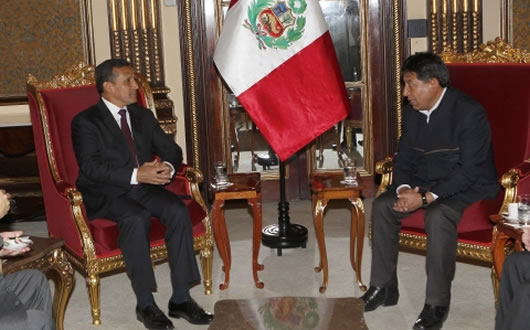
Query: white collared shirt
<point>434,107</point>
<point>114,111</point>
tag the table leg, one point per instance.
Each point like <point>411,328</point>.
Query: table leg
<point>255,204</point>
<point>357,238</point>
<point>60,271</point>
<point>222,240</point>
<point>318,214</point>
<point>499,241</point>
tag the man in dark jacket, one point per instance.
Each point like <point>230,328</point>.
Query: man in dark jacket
<point>114,142</point>
<point>444,163</point>
<point>514,291</point>
<point>25,297</point>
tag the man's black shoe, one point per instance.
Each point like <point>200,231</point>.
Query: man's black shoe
<point>431,317</point>
<point>153,318</point>
<point>376,296</point>
<point>190,311</point>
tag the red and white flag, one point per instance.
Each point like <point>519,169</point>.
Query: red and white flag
<point>277,57</point>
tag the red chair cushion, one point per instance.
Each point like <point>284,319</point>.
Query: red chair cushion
<point>105,232</point>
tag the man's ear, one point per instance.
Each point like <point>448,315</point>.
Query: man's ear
<point>434,82</point>
<point>107,86</point>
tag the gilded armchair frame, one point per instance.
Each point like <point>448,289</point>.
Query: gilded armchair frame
<point>497,51</point>
<point>91,267</point>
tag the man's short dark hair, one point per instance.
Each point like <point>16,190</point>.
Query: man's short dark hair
<point>427,66</point>
<point>104,71</point>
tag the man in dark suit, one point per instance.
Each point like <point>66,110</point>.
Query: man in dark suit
<point>514,291</point>
<point>114,142</point>
<point>444,163</point>
<point>25,297</point>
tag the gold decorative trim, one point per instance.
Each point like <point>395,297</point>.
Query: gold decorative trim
<point>445,25</point>
<point>384,167</point>
<point>454,24</point>
<point>77,75</point>
<point>19,180</point>
<point>470,251</point>
<point>192,82</point>
<point>509,182</point>
<point>465,28</point>
<point>396,5</point>
<point>434,25</point>
<point>497,51</point>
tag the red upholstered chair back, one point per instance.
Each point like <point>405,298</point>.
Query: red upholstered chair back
<point>504,91</point>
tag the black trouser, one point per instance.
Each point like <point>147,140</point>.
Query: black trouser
<point>441,220</point>
<point>132,212</point>
<point>514,294</point>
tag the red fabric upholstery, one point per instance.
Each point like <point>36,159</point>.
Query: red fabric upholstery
<point>59,107</point>
<point>504,91</point>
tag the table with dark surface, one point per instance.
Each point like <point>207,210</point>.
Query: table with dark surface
<point>47,256</point>
<point>289,313</point>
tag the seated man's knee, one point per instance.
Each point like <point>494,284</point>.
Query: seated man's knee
<point>139,219</point>
<point>437,218</point>
<point>383,201</point>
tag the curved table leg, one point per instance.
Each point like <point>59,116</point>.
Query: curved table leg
<point>222,240</point>
<point>357,236</point>
<point>499,241</point>
<point>318,214</point>
<point>255,204</point>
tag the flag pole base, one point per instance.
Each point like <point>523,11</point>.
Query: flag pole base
<point>295,237</point>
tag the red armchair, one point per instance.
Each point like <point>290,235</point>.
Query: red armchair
<point>504,91</point>
<point>92,246</point>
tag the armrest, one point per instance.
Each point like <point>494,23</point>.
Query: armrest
<point>515,182</point>
<point>384,167</point>
<point>66,217</point>
<point>186,182</point>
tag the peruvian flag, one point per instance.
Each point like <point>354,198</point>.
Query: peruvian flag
<point>277,57</point>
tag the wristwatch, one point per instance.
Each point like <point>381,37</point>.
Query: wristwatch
<point>424,199</point>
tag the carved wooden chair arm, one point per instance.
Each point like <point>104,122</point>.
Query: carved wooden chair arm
<point>384,167</point>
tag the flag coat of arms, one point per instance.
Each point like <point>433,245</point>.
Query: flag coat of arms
<point>277,57</point>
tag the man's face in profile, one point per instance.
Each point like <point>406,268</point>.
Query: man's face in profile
<point>422,95</point>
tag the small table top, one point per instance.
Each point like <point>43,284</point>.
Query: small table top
<point>244,185</point>
<point>41,246</point>
<point>512,231</point>
<point>331,182</point>
<point>289,313</point>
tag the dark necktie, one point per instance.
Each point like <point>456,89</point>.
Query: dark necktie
<point>128,136</point>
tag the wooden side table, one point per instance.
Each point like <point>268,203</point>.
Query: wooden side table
<point>502,234</point>
<point>245,186</point>
<point>47,256</point>
<point>325,188</point>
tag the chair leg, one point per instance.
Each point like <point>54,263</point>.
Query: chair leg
<point>92,285</point>
<point>206,266</point>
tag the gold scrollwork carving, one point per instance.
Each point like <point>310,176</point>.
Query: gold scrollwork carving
<point>497,51</point>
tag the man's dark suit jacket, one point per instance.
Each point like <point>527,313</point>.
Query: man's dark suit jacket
<point>105,162</point>
<point>451,155</point>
